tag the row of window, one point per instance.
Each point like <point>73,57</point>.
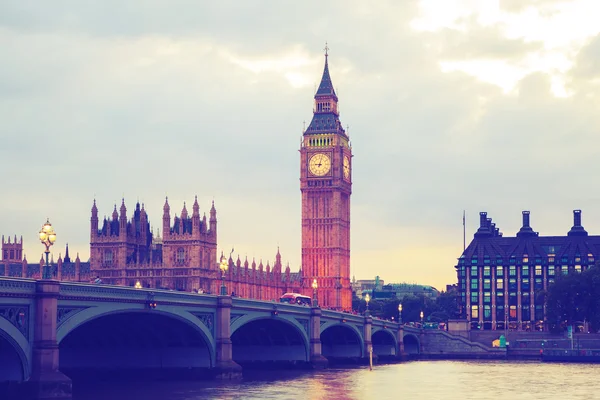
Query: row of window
<point>538,260</point>
<point>538,270</point>
<point>509,314</point>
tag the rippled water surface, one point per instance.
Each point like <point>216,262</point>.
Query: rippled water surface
<point>411,380</point>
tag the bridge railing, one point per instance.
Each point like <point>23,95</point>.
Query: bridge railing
<point>101,292</point>
<point>17,286</point>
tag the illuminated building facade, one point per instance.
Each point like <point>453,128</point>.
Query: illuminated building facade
<point>326,185</point>
<point>500,279</point>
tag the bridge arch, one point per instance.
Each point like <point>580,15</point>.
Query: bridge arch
<point>269,340</point>
<point>14,353</point>
<point>384,343</point>
<point>412,346</point>
<point>341,341</point>
<point>133,339</point>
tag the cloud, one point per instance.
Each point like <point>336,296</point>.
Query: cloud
<point>143,100</point>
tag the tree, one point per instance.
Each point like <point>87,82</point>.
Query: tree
<point>574,298</point>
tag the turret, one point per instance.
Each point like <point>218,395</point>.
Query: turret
<point>123,219</point>
<point>195,217</point>
<point>94,222</point>
<point>213,220</point>
<point>67,258</point>
<point>166,218</point>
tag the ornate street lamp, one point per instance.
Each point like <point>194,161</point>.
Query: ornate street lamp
<point>223,266</point>
<point>421,319</point>
<point>315,299</point>
<point>400,313</point>
<point>47,237</point>
<point>367,299</point>
<point>138,285</point>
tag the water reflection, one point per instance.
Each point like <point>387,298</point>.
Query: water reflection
<point>413,380</point>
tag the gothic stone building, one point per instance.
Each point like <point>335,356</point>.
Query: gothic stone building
<point>124,251</point>
<point>499,276</point>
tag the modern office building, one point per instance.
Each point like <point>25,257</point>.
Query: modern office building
<point>500,278</point>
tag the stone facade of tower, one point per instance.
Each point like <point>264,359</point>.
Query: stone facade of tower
<point>326,185</point>
<point>124,252</point>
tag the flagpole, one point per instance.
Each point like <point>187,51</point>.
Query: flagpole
<point>464,233</point>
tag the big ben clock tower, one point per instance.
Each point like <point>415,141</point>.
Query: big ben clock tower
<point>326,185</point>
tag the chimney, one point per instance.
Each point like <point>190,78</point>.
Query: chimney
<point>526,230</point>
<point>577,229</point>
<point>576,217</point>
<point>526,219</point>
<point>482,219</point>
<point>484,226</point>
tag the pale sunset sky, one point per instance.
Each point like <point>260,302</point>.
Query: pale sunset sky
<point>452,105</point>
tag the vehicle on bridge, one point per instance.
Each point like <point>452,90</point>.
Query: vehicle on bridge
<point>295,298</point>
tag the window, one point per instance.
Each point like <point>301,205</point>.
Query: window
<point>512,270</point>
<point>107,258</point>
<point>499,270</point>
<point>487,297</point>
<point>486,271</point>
<point>462,271</point>
<point>525,258</point>
<point>550,259</point>
<point>475,312</point>
<point>538,270</point>
<point>525,314</point>
<point>525,284</point>
<point>525,270</point>
<point>499,284</point>
<point>474,260</point>
<point>474,298</point>
<point>474,284</point>
<point>565,270</point>
<point>578,268</point>
<point>539,312</point>
<point>487,312</point>
<point>551,270</point>
<point>538,283</point>
<point>473,271</point>
<point>513,311</point>
<point>512,284</point>
<point>180,255</point>
<point>487,284</point>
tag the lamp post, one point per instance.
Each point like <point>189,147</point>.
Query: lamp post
<point>421,319</point>
<point>223,266</point>
<point>367,299</point>
<point>400,313</point>
<point>315,298</point>
<point>47,237</point>
<point>138,285</point>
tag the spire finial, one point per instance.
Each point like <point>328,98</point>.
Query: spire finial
<point>326,50</point>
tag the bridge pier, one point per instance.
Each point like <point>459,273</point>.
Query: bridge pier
<point>368,342</point>
<point>225,367</point>
<point>46,381</point>
<point>400,339</point>
<point>317,360</point>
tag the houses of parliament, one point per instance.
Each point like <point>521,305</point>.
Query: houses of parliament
<point>124,251</point>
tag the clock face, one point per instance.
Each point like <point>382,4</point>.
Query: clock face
<point>347,167</point>
<point>319,164</point>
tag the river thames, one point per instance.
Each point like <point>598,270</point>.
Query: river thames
<point>410,380</point>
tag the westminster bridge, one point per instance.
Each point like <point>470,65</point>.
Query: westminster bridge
<point>91,327</point>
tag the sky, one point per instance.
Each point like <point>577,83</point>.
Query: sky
<point>451,105</point>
